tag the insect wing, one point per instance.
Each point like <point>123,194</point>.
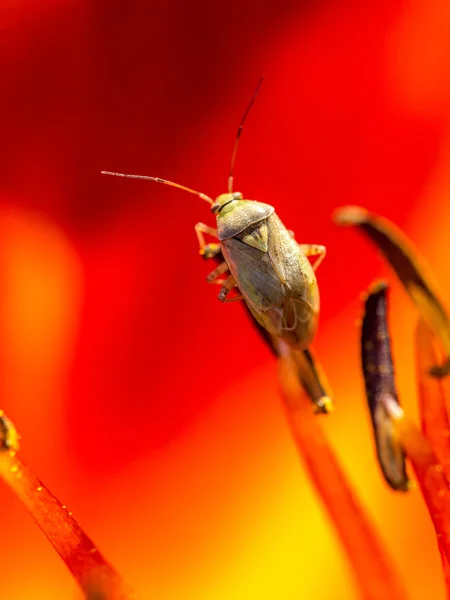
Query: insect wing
<point>297,321</point>
<point>254,273</point>
<point>294,268</point>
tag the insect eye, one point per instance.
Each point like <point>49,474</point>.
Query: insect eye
<point>215,207</point>
<point>237,196</point>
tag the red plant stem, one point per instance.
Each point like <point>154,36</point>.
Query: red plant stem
<point>433,412</point>
<point>429,473</point>
<point>445,567</point>
<point>431,478</point>
<point>98,579</point>
<point>377,578</point>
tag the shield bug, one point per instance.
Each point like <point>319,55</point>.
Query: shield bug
<point>262,261</point>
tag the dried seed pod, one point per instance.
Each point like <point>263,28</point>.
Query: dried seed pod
<point>379,381</point>
<point>410,267</point>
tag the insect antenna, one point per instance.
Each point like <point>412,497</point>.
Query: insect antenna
<point>159,180</point>
<point>241,125</point>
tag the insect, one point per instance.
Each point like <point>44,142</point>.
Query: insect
<point>263,264</point>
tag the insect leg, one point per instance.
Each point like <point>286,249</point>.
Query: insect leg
<point>206,250</point>
<point>314,250</point>
<point>227,286</point>
<point>213,277</point>
<point>211,251</point>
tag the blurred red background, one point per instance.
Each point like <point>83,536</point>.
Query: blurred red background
<point>148,407</point>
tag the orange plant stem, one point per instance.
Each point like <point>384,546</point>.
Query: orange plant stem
<point>98,579</point>
<point>377,578</point>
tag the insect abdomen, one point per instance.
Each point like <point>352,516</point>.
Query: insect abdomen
<point>298,319</point>
<point>276,280</point>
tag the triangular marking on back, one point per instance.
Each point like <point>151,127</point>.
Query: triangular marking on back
<point>258,238</point>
